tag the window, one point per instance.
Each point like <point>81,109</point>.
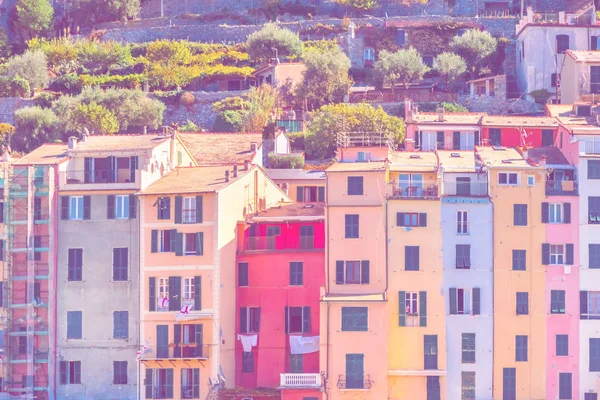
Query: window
<point>519,260</point>
<point>562,345</point>
<point>296,363</point>
<point>495,137</point>
<point>189,210</point>
<point>590,396</point>
<point>351,272</point>
<point>520,348</point>
<point>190,383</point>
<point>120,372</point>
<point>369,54</point>
<point>463,256</point>
<point>355,185</point>
<point>193,244</point>
<point>164,207</point>
<point>74,322</point>
<point>355,371</point>
<point>553,80</point>
<point>522,303</point>
<point>462,222</point>
<point>121,325</point>
<point>163,294</point>
<point>189,291</point>
<point>460,301</point>
<point>37,209</point>
<point>120,263</point>
<point>411,312</point>
<point>565,390</point>
<point>430,352</point>
<point>508,178</point>
<point>468,348</point>
<point>310,194</point>
<point>593,168</point>
<point>351,226</point>
<point>547,138</point>
<point>411,219</point>
<point>594,210</point>
<point>355,319</point>
<point>297,319</point>
<point>296,273</point>
<point>76,207</point>
<point>463,186</point>
<point>242,274</point>
<point>247,362</point>
<point>509,384</point>
<point>70,372</point>
<point>562,45</point>
<point>249,319</point>
<point>400,37</point>
<point>557,254</point>
<point>411,303</point>
<point>165,239</point>
<point>591,310</point>
<point>520,215</point>
<point>122,207</point>
<point>159,383</point>
<point>594,255</point>
<point>411,258</point>
<point>555,213</point>
<point>594,354</point>
<point>530,180</point>
<point>557,301</point>
<point>468,385</point>
<point>307,237</point>
<point>594,79</point>
<point>433,388</point>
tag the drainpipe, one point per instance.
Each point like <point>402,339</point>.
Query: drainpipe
<point>327,286</point>
<point>493,258</point>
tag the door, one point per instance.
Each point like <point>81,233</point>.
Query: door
<point>495,137</point>
<point>355,374</point>
<point>440,141</point>
<point>463,186</point>
<point>467,141</point>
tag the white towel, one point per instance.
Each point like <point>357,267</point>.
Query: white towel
<point>248,342</point>
<point>304,344</point>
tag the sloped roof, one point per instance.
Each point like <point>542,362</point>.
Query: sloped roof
<point>44,155</point>
<point>220,148</point>
<point>553,155</point>
<point>584,55</point>
<point>289,174</point>
<point>103,143</point>
<point>287,210</point>
<point>506,157</point>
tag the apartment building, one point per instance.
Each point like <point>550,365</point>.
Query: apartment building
<point>514,131</point>
<point>280,272</point>
<point>353,309</point>
<point>521,301</point>
<point>417,324</point>
<point>581,72</point>
<point>304,186</point>
<point>188,276</point>
<point>467,276</point>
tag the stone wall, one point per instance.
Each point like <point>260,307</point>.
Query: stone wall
<point>8,106</point>
<point>498,106</point>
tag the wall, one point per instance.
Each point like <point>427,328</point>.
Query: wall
<point>8,106</point>
<point>571,72</point>
<point>495,106</point>
<point>511,136</point>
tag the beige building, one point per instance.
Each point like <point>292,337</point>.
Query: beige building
<point>580,76</point>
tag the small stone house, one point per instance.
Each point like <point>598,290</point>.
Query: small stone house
<point>489,86</point>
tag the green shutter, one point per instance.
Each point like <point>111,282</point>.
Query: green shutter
<point>423,308</point>
<point>179,244</point>
<point>178,209</point>
<point>306,319</point>
<point>339,272</point>
<point>476,301</point>
<point>87,207</point>
<point>299,194</point>
<point>402,308</point>
<point>364,272</point>
<point>567,213</point>
<point>152,294</point>
<point>545,211</point>
<point>177,340</point>
<point>321,194</point>
<point>132,206</point>
<point>422,219</point>
<point>110,206</point>
<point>198,209</point>
<point>545,253</point>
<point>399,219</point>
<point>154,244</point>
<point>198,293</point>
<point>199,243</point>
<point>64,207</point>
<point>452,294</point>
<point>569,256</point>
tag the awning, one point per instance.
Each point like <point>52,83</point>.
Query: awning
<point>444,127</point>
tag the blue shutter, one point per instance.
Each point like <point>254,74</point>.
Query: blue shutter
<point>364,272</point>
<point>569,257</point>
<point>179,244</point>
<point>152,293</point>
<point>196,382</point>
<point>545,253</point>
<point>399,219</point>
<point>178,209</point>
<point>286,319</point>
<point>199,243</point>
<point>583,306</point>
<point>64,207</point>
<point>154,243</point>
<point>175,293</point>
<point>339,272</point>
<point>87,207</point>
<point>87,170</point>
<point>299,194</point>
<point>198,209</point>
<point>545,212</point>
<point>402,308</point>
<point>198,340</point>
<point>321,193</point>
<point>422,219</point>
<point>476,301</point>
<point>452,294</point>
<point>197,293</point>
<point>567,213</point>
<point>169,383</point>
<point>177,340</point>
<point>422,308</point>
<point>133,165</point>
<point>148,383</point>
<point>244,320</point>
<point>132,206</point>
<point>162,341</point>
<point>110,206</point>
<point>306,319</point>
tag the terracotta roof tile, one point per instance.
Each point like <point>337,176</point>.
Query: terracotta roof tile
<point>221,148</point>
<point>102,143</point>
<point>44,155</point>
<point>357,167</point>
<point>584,55</point>
<point>506,157</point>
<point>284,210</point>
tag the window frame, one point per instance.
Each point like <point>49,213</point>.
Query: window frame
<point>411,300</point>
<point>517,297</point>
<point>468,348</point>
<point>120,372</point>
<point>186,251</point>
<point>508,176</point>
<point>298,274</point>
<point>593,304</point>
<point>164,242</point>
<point>593,168</point>
<point>462,222</point>
<point>122,206</point>
<point>520,217</point>
<point>468,385</point>
<point>519,260</point>
<point>562,345</point>
<point>461,258</point>
<point>555,213</point>
<point>252,319</point>
<point>164,208</point>
<point>188,211</point>
<point>557,297</point>
<point>354,183</point>
<point>558,254</point>
<point>521,348</point>
<point>301,316</point>
<point>351,226</point>
<point>467,301</point>
<point>76,208</point>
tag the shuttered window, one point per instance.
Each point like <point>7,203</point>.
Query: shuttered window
<point>74,324</point>
<point>355,319</point>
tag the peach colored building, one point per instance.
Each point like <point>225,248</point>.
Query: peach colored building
<point>187,290</point>
<point>304,186</point>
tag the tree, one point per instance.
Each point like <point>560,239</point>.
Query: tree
<point>450,66</point>
<point>331,119</point>
<point>325,79</point>
<point>403,66</point>
<point>5,47</point>
<point>31,66</point>
<point>34,126</point>
<point>261,103</point>
<point>89,12</point>
<point>261,44</point>
<point>474,46</point>
<point>453,107</point>
<point>95,118</point>
<point>34,16</point>
<point>168,52</point>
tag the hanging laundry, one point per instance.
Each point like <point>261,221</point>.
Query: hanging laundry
<point>248,342</point>
<point>304,344</point>
<point>187,309</point>
<point>164,302</point>
<point>407,229</point>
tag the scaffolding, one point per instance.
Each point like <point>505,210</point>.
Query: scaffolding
<point>27,232</point>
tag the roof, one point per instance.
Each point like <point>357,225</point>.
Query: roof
<point>193,180</point>
<point>104,143</point>
<point>459,160</point>
<point>220,148</point>
<point>552,154</point>
<point>357,166</point>
<point>44,155</point>
<point>413,161</point>
<point>497,120</point>
<point>564,115</point>
<point>294,174</point>
<point>266,67</point>
<point>584,55</point>
<point>449,117</point>
<point>498,156</point>
<point>485,78</point>
<point>287,211</point>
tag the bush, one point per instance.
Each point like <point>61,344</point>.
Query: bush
<point>34,126</point>
<point>4,45</point>
<point>45,99</point>
<point>228,121</point>
<point>68,84</point>
<point>230,103</point>
<point>14,87</point>
<point>261,43</point>
<point>541,96</point>
<point>95,118</point>
<point>5,130</point>
<point>89,12</point>
<point>99,57</point>
<point>169,52</point>
<point>453,107</point>
<point>187,99</point>
<point>282,161</point>
<point>167,97</point>
<point>133,81</point>
<point>31,66</point>
<point>189,126</point>
<point>296,141</point>
<point>34,16</point>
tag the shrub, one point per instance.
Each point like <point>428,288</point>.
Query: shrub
<point>230,103</point>
<point>34,126</point>
<point>453,107</point>
<point>14,87</point>
<point>168,52</point>
<point>31,66</point>
<point>261,43</point>
<point>474,46</point>
<point>4,45</point>
<point>95,118</point>
<point>541,96</point>
<point>285,161</point>
<point>296,141</point>
<point>187,99</point>
<point>132,81</point>
<point>45,99</point>
<point>5,130</point>
<point>34,16</point>
<point>167,97</point>
<point>68,84</point>
<point>228,121</point>
<point>189,126</point>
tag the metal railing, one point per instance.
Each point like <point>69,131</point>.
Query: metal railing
<point>276,243</point>
<point>345,382</point>
<point>420,191</point>
<point>162,304</point>
<point>122,175</point>
<point>181,350</point>
<point>561,188</point>
<point>300,380</point>
<point>454,188</point>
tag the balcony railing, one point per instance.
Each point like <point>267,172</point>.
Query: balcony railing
<point>418,191</point>
<point>181,350</point>
<point>277,243</point>
<point>467,189</point>
<point>162,304</point>
<point>590,147</point>
<point>350,382</point>
<point>300,380</point>
<point>122,175</point>
<point>561,188</point>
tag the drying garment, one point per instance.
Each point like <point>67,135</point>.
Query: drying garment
<point>248,342</point>
<point>304,344</point>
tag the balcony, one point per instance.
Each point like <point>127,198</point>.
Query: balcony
<point>162,304</point>
<point>354,383</point>
<point>465,189</point>
<point>561,188</point>
<point>85,179</point>
<point>423,190</point>
<point>280,243</point>
<point>291,381</point>
<point>182,351</point>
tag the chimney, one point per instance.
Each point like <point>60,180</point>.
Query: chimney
<point>525,153</point>
<point>409,116</point>
<point>543,161</point>
<point>253,146</point>
<point>407,109</point>
<point>529,14</point>
<point>246,164</point>
<point>227,176</point>
<point>235,171</point>
<point>72,142</point>
<point>351,28</point>
<point>84,138</point>
<point>440,112</point>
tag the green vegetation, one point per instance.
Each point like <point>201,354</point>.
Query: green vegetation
<point>34,16</point>
<point>403,66</point>
<point>450,66</point>
<point>34,126</point>
<point>31,66</point>
<point>90,12</point>
<point>249,114</point>
<point>189,126</point>
<point>474,46</point>
<point>261,44</point>
<point>95,118</point>
<point>285,161</point>
<point>14,87</point>
<point>453,107</point>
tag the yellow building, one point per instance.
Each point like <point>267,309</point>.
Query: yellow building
<point>416,333</point>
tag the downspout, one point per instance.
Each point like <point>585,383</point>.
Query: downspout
<point>493,269</point>
<point>327,285</point>
<point>54,284</point>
